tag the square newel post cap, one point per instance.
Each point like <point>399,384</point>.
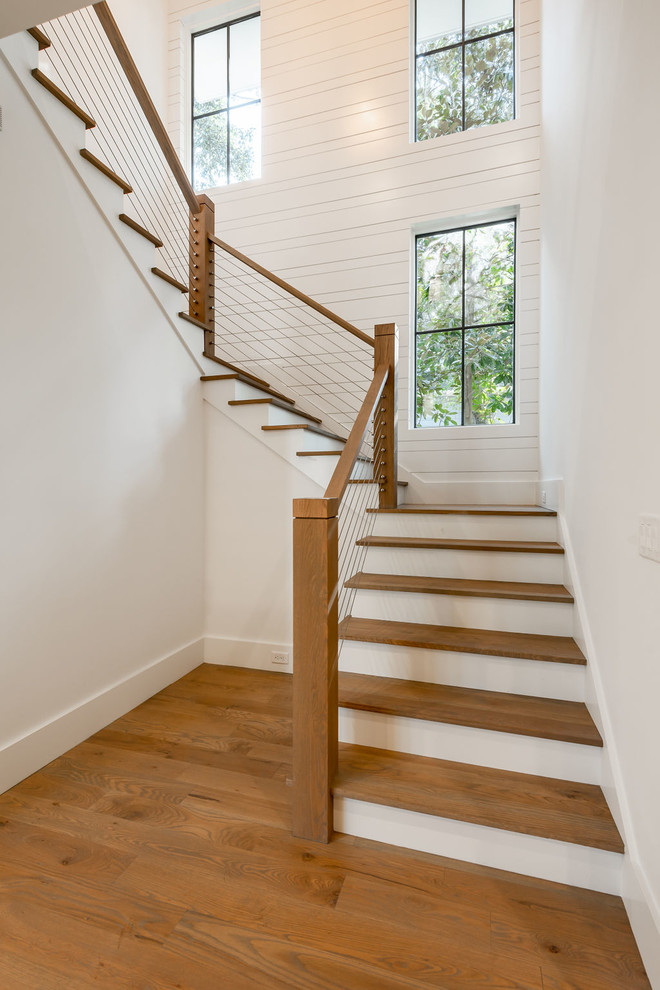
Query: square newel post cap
<point>315,508</point>
<point>386,330</point>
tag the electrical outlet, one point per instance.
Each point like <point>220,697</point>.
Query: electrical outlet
<point>279,658</point>
<point>544,498</point>
<point>649,537</point>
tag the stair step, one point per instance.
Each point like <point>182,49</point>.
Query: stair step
<point>485,642</point>
<point>246,380</point>
<point>274,402</point>
<point>106,170</point>
<point>306,426</point>
<point>330,453</point>
<point>138,228</point>
<point>251,380</point>
<point>60,95</point>
<point>432,543</point>
<point>42,39</point>
<point>546,718</point>
<point>519,590</point>
<point>471,510</point>
<point>170,279</point>
<point>565,811</point>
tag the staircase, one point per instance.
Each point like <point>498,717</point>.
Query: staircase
<point>461,690</point>
<point>462,720</point>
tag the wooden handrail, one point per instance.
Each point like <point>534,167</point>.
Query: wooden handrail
<point>142,95</point>
<point>349,455</point>
<point>276,280</point>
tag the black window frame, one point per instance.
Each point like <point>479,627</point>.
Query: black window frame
<point>462,45</point>
<point>475,326</point>
<point>215,113</point>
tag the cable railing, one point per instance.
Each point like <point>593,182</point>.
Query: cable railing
<point>88,60</point>
<point>278,333</point>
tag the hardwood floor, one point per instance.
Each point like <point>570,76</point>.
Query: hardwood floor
<point>158,855</point>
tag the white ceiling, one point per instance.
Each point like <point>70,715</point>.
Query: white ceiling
<point>17,15</point>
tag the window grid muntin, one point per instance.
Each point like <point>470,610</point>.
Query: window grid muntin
<point>475,326</point>
<point>462,44</point>
<point>215,113</point>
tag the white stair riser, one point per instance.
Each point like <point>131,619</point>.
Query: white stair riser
<point>561,862</point>
<point>288,442</point>
<point>537,678</point>
<point>473,564</point>
<point>277,415</point>
<point>507,615</point>
<point>468,527</point>
<point>479,747</point>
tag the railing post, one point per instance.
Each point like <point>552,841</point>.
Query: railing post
<point>315,665</point>
<point>202,270</point>
<point>386,351</point>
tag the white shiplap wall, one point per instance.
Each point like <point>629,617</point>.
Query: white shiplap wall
<point>344,190</point>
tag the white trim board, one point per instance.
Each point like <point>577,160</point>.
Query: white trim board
<point>31,752</point>
<point>253,655</point>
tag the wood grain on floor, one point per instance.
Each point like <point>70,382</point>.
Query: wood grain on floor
<point>158,855</point>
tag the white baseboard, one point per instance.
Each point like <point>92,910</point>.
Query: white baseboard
<point>31,752</point>
<point>246,653</point>
<point>644,918</point>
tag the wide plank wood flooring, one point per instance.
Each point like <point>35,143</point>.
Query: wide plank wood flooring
<point>158,856</point>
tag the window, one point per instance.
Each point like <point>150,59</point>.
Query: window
<point>465,330</point>
<point>226,103</point>
<point>463,65</point>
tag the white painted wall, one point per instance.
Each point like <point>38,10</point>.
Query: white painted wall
<point>101,448</point>
<point>144,26</point>
<point>600,354</point>
<point>343,191</point>
<point>249,526</point>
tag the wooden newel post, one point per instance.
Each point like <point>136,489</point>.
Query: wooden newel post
<point>202,270</point>
<point>386,351</point>
<point>315,664</point>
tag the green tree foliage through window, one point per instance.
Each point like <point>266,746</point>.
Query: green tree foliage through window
<point>464,65</point>
<point>465,326</point>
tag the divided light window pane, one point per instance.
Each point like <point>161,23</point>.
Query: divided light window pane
<point>245,61</point>
<point>487,16</point>
<point>245,142</point>
<point>210,151</point>
<point>439,23</point>
<point>464,344</point>
<point>464,74</point>
<point>210,79</point>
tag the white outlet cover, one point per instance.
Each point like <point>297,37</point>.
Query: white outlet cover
<point>280,658</point>
<point>649,537</point>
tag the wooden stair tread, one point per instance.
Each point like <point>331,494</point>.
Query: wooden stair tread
<point>170,279</point>
<point>106,170</point>
<point>438,543</point>
<point>241,377</point>
<point>139,229</point>
<point>471,510</point>
<point>555,809</point>
<point>42,39</point>
<point>546,718</point>
<point>246,376</point>
<point>518,590</point>
<point>306,426</point>
<point>60,95</point>
<point>487,642</point>
<point>273,402</point>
